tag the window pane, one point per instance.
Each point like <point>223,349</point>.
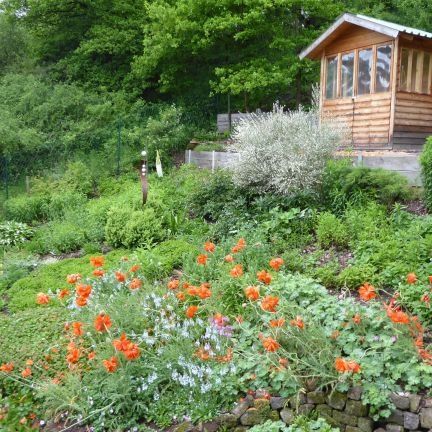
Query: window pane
<point>365,70</point>
<point>426,72</point>
<point>347,84</point>
<point>404,70</point>
<point>383,66</point>
<point>331,81</point>
<point>415,71</point>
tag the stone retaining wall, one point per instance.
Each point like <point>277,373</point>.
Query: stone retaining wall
<point>345,411</point>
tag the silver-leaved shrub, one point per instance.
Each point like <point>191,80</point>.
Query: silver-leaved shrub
<point>285,151</point>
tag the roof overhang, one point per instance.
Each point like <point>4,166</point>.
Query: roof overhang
<point>313,50</point>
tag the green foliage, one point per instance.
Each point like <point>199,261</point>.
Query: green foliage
<point>14,233</point>
<point>210,146</point>
<point>26,209</point>
<point>331,231</point>
<point>77,178</point>
<point>426,167</point>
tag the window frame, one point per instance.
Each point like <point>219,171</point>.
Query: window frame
<point>419,80</point>
<point>356,51</point>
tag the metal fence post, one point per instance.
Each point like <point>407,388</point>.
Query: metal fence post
<point>119,125</point>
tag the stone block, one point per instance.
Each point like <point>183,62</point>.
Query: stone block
<point>355,393</point>
<point>356,408</point>
<point>287,415</point>
<point>240,408</point>
<point>337,400</point>
<point>411,421</point>
<point>227,420</point>
<point>184,427</point>
<point>316,397</point>
<point>261,394</point>
<point>365,424</point>
<point>352,429</point>
<point>426,417</point>
<point>262,405</point>
<point>241,429</point>
<point>344,418</point>
<point>323,409</point>
<point>305,409</point>
<point>402,402</point>
<point>278,402</point>
<point>252,417</point>
<point>297,400</point>
<point>415,401</point>
<point>428,403</point>
<point>396,417</point>
<point>380,430</point>
<point>394,428</point>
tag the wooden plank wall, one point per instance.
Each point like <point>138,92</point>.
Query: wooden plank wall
<point>211,160</point>
<point>223,121</point>
<point>413,120</point>
<point>367,117</point>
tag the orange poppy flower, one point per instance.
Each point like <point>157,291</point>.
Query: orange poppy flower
<point>192,290</point>
<point>430,279</point>
<point>209,246</point>
<point>277,322</point>
<point>102,322</point>
<point>132,352</point>
<point>241,244</point>
<point>367,292</point>
<point>111,364</point>
<point>202,259</point>
<point>73,355</point>
<point>269,303</point>
<point>181,296</point>
<point>98,272</point>
<point>229,258</point>
<point>97,261</point>
<point>91,355</point>
<point>122,343</point>
<point>81,301</point>
<point>7,367</point>
<point>270,344</point>
<point>342,365</point>
<point>173,284</point>
<point>357,319</point>
<point>63,293</point>
<point>121,277</point>
<point>204,292</point>
<point>191,311</point>
<point>252,293</point>
<point>73,278</point>
<point>276,263</point>
<point>26,372</point>
<point>83,290</point>
<point>397,316</point>
<point>236,271</point>
<point>42,299</point>
<point>411,278</point>
<point>264,277</point>
<point>135,284</point>
<point>202,354</point>
<point>77,328</point>
<point>298,322</point>
<point>425,298</point>
<point>134,268</point>
<point>335,334</point>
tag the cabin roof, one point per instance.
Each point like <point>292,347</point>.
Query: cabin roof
<point>380,26</point>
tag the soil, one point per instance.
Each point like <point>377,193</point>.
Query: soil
<point>416,207</point>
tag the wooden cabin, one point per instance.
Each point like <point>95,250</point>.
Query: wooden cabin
<point>377,76</point>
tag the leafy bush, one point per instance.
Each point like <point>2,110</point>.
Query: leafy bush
<point>77,178</point>
<point>331,231</point>
<point>284,152</point>
<point>426,171</point>
<point>26,209</point>
<point>300,424</point>
<point>61,202</point>
<point>130,229</point>
<point>13,233</point>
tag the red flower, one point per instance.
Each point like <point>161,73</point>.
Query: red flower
<point>229,259</point>
<point>269,303</point>
<point>42,299</point>
<point>77,328</point>
<point>264,277</point>
<point>209,247</point>
<point>270,344</point>
<point>173,284</point>
<point>135,284</point>
<point>98,272</point>
<point>132,352</point>
<point>73,355</point>
<point>81,301</point>
<point>91,355</point>
<point>236,271</point>
<point>276,263</point>
<point>241,244</point>
<point>425,298</point>
<point>63,293</point>
<point>181,296</point>
<point>73,278</point>
<point>7,367</point>
<point>121,277</point>
<point>102,322</point>
<point>357,319</point>
<point>111,364</point>
<point>83,290</point>
<point>97,261</point>
<point>367,292</point>
<point>191,311</point>
<point>204,291</point>
<point>411,278</point>
<point>397,316</point>
<point>122,343</point>
<point>342,365</point>
<point>202,259</point>
<point>134,268</point>
<point>298,322</point>
<point>252,293</point>
<point>26,372</point>
<point>277,322</point>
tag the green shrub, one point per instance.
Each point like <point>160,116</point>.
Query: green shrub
<point>77,178</point>
<point>14,233</point>
<point>426,171</point>
<point>62,202</point>
<point>172,252</point>
<point>61,237</point>
<point>210,146</point>
<point>15,266</point>
<point>27,209</point>
<point>327,274</point>
<point>115,228</point>
<point>355,275</point>
<point>331,231</point>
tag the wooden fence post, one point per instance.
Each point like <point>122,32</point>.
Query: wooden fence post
<point>213,161</point>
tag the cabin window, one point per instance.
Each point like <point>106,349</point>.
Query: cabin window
<point>347,76</point>
<point>415,71</point>
<point>383,68</point>
<point>364,71</point>
<point>331,77</point>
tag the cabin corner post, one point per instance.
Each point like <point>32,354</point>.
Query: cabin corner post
<point>322,86</point>
<point>394,84</point>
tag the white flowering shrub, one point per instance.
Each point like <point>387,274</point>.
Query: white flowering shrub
<point>284,152</point>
